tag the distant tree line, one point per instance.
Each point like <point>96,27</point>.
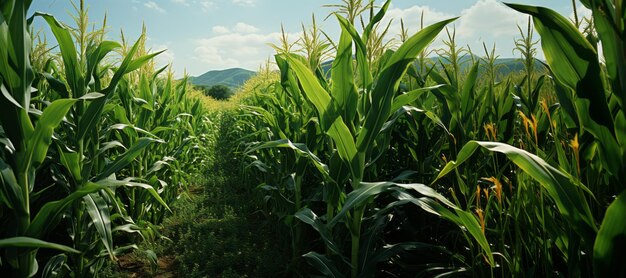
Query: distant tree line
<point>219,91</point>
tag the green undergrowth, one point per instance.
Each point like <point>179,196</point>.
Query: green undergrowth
<point>217,229</point>
<point>218,241</point>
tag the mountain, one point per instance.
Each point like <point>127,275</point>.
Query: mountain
<point>505,66</point>
<point>233,78</point>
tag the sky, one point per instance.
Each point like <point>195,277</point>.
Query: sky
<point>203,35</point>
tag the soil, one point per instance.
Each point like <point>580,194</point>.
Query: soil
<point>131,266</point>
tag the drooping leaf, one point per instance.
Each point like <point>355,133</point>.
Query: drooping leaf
<point>560,187</point>
<point>101,219</point>
<point>50,214</point>
<point>610,244</point>
<point>129,183</point>
<point>29,242</point>
<point>52,116</point>
<point>323,265</point>
<point>389,81</point>
<point>308,216</point>
<point>126,158</point>
<point>573,60</point>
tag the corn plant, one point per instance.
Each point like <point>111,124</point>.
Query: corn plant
<point>589,105</point>
<point>64,164</point>
<point>354,110</point>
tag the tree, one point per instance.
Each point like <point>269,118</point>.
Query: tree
<point>219,92</point>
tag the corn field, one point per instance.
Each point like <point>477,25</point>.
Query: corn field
<point>96,145</point>
<point>394,165</point>
<point>386,163</point>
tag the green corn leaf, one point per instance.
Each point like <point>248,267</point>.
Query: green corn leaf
<point>409,97</point>
<point>68,52</point>
<point>71,162</point>
<point>343,88</point>
<point>9,97</point>
<point>299,148</point>
<point>346,148</point>
<point>309,217</point>
<point>268,117</point>
<point>314,91</point>
<point>137,63</point>
<point>11,189</point>
<point>391,250</point>
<point>377,18</point>
<point>93,114</point>
<point>100,217</point>
<point>50,214</point>
<point>620,130</point>
<point>29,242</point>
<point>467,94</point>
<point>92,96</point>
<point>323,265</point>
<point>610,150</point>
<point>383,93</point>
<point>361,52</point>
<point>608,251</point>
<point>613,47</point>
<point>129,183</point>
<point>414,45</point>
<point>110,145</point>
<point>57,85</point>
<point>465,220</point>
<point>560,187</point>
<point>51,269</point>
<point>359,197</point>
<point>95,57</point>
<point>127,157</point>
<point>124,67</point>
<point>573,60</point>
<point>51,118</point>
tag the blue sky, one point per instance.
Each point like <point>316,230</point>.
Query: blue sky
<point>203,35</point>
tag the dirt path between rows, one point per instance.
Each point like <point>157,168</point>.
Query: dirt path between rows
<point>131,267</point>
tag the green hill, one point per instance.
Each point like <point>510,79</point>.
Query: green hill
<point>505,66</point>
<point>233,78</point>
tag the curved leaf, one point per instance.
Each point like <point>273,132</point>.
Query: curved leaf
<point>29,242</point>
<point>572,58</point>
<point>301,149</point>
<point>389,81</point>
<point>126,158</point>
<point>308,216</point>
<point>39,143</point>
<point>323,264</point>
<point>608,251</point>
<point>50,214</point>
<point>101,219</point>
<point>129,183</point>
<point>560,187</point>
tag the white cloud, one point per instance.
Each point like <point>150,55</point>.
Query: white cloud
<point>241,27</point>
<point>154,6</point>
<point>207,5</point>
<point>182,2</point>
<point>412,18</point>
<point>218,29</point>
<point>489,19</point>
<point>165,57</point>
<point>245,3</point>
<point>237,49</point>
